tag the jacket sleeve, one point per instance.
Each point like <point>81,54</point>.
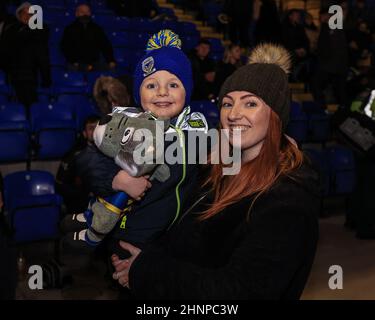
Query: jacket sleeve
<point>67,45</point>
<point>106,46</point>
<point>43,58</point>
<point>96,171</point>
<point>261,266</point>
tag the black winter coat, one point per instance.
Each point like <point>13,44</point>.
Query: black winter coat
<point>85,43</point>
<point>225,257</point>
<point>27,54</point>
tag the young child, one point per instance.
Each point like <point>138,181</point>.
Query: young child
<point>162,85</point>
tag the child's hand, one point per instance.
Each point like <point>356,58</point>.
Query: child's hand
<point>135,187</point>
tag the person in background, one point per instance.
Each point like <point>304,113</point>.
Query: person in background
<point>6,21</point>
<point>28,56</point>
<point>84,43</point>
<point>267,22</point>
<point>240,14</point>
<point>296,41</point>
<point>109,92</point>
<point>231,61</point>
<point>8,256</point>
<point>69,184</point>
<point>203,71</point>
<point>332,63</point>
<point>359,44</point>
<point>312,32</point>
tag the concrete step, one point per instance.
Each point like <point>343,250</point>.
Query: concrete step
<point>185,17</point>
<point>166,5</point>
<point>301,97</point>
<point>212,35</point>
<point>204,28</point>
<point>297,87</point>
<point>178,11</point>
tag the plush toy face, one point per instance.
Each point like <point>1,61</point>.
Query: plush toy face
<point>119,136</point>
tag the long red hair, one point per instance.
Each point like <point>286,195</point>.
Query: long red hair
<point>277,157</point>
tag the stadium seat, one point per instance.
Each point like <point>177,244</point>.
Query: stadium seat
<point>14,133</point>
<point>31,206</point>
<point>120,39</point>
<point>81,105</point>
<point>54,127</point>
<point>209,109</point>
<point>320,128</point>
<point>342,167</point>
<point>298,123</point>
<point>2,78</point>
<point>3,99</point>
<point>320,163</point>
<point>69,82</point>
<point>84,111</point>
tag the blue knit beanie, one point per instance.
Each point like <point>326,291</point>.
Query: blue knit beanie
<point>164,53</point>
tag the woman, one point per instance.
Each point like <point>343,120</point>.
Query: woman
<point>248,236</point>
<point>231,61</point>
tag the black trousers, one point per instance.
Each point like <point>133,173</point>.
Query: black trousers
<point>8,264</point>
<point>361,206</point>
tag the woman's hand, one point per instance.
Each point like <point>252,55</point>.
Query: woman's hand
<point>135,187</point>
<point>122,267</point>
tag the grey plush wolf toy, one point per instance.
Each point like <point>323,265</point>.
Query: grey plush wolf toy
<point>116,136</point>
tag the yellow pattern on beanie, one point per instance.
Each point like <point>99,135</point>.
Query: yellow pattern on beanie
<point>164,38</point>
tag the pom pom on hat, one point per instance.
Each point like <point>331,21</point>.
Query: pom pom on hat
<point>164,52</point>
<point>266,75</point>
<point>164,38</point>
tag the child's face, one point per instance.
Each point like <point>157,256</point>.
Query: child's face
<point>163,94</point>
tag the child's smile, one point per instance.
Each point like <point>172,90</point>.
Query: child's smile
<point>163,94</point>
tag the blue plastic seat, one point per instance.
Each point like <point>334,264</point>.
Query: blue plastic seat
<point>209,110</point>
<point>69,78</point>
<point>320,128</point>
<point>55,36</point>
<point>298,125</point>
<point>120,39</point>
<point>343,171</point>
<point>81,105</point>
<point>2,78</point>
<point>14,133</point>
<point>54,127</point>
<point>3,99</point>
<point>320,162</point>
<point>31,205</point>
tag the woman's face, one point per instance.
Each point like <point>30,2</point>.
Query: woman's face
<point>236,53</point>
<point>244,111</point>
<point>163,94</point>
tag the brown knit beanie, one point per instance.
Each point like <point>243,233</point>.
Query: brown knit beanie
<point>266,76</point>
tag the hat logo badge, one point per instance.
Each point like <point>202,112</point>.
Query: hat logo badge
<point>148,66</point>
